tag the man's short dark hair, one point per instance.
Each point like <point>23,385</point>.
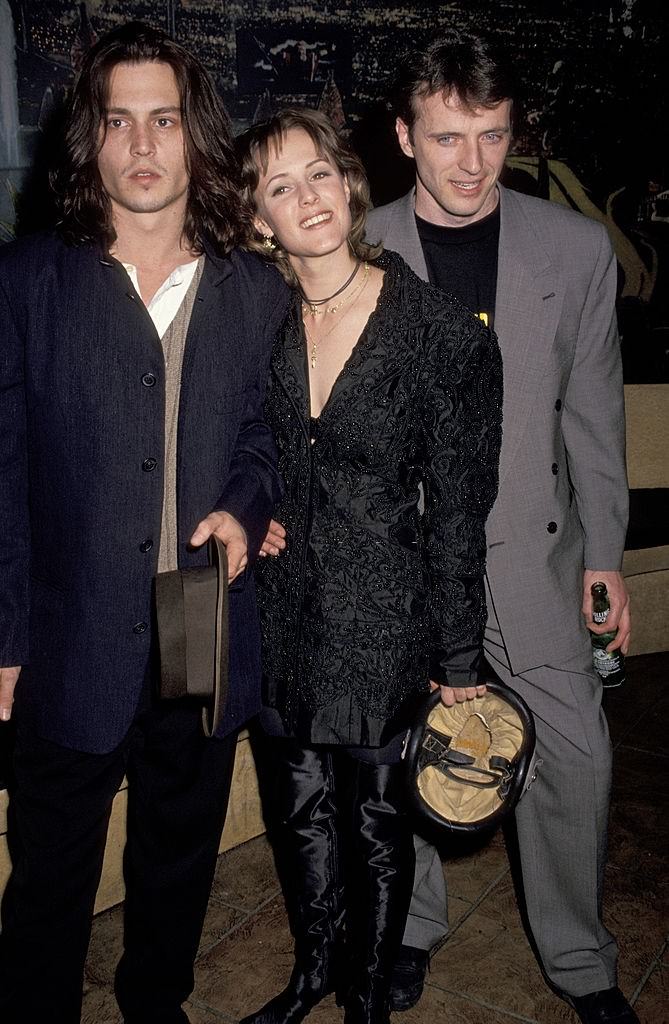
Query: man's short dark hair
<point>457,63</point>
<point>215,210</point>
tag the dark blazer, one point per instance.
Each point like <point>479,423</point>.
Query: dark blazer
<point>370,599</point>
<point>81,473</point>
<point>562,502</point>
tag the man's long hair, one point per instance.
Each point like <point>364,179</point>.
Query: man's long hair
<point>215,210</point>
<point>457,63</point>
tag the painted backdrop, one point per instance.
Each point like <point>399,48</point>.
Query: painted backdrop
<point>588,134</point>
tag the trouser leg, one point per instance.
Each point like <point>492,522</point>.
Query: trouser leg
<point>562,823</point>
<point>561,827</point>
<point>60,803</point>
<point>178,789</point>
<point>378,884</point>
<point>306,837</point>
<point>427,922</point>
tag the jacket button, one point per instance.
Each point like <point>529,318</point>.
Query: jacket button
<point>139,628</point>
<point>554,469</point>
<point>552,527</point>
<point>146,545</point>
<point>149,465</point>
<point>558,405</point>
<point>148,380</point>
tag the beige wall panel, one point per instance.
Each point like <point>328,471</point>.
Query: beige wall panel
<point>647,577</point>
<point>647,414</point>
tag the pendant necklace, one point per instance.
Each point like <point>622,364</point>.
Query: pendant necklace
<point>312,304</point>
<point>313,343</point>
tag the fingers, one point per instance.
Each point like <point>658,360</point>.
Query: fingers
<point>237,559</point>
<point>451,695</point>
<point>275,540</point>
<point>231,533</point>
<point>463,693</point>
<point>617,595</point>
<point>270,547</point>
<point>8,678</point>
<point>277,529</point>
<point>447,696</point>
<point>203,531</point>
<point>623,636</point>
<point>619,617</point>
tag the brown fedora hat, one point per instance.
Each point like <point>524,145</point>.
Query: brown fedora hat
<point>192,617</point>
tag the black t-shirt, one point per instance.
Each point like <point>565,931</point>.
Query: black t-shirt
<point>463,261</point>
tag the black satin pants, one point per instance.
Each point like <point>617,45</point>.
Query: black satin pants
<point>345,857</point>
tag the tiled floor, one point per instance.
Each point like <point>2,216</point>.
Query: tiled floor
<point>485,972</point>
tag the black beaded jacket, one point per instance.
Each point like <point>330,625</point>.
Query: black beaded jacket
<point>372,598</point>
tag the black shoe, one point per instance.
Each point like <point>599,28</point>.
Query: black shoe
<point>408,979</point>
<point>606,1007</point>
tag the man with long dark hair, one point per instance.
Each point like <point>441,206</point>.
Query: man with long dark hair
<point>135,349</point>
<point>544,278</point>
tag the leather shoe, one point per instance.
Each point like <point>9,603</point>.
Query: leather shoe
<point>406,986</point>
<point>608,1006</point>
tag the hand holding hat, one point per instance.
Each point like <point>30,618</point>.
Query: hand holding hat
<point>231,533</point>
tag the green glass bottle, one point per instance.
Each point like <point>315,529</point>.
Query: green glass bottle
<point>609,664</point>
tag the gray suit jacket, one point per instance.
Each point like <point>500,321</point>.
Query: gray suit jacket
<point>563,497</point>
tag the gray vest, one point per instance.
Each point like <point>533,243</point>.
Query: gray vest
<point>173,342</point>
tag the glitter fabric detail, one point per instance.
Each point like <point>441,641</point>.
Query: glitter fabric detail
<point>371,598</point>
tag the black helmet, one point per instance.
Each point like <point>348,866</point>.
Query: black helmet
<point>469,764</point>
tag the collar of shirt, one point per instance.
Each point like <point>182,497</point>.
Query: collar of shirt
<point>164,305</point>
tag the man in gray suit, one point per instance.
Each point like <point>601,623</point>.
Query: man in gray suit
<point>544,278</point>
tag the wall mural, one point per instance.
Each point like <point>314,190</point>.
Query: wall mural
<point>586,135</point>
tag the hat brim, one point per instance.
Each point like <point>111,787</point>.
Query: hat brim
<point>193,636</point>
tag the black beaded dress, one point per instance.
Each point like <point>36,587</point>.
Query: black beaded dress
<point>373,597</point>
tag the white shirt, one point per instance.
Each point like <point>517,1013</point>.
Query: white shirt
<point>163,306</point>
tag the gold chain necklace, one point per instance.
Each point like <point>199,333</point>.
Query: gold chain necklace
<point>311,308</point>
<point>313,343</point>
<point>313,304</point>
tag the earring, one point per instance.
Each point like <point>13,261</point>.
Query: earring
<point>268,243</point>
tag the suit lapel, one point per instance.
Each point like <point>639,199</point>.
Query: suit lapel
<point>528,304</point>
<point>205,312</point>
<point>402,235</point>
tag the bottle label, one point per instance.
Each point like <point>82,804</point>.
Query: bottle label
<point>600,617</point>
<point>605,662</point>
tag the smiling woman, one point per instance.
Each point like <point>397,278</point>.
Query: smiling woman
<point>266,141</point>
<point>379,384</point>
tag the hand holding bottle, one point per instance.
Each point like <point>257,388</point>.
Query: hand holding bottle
<point>609,664</point>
